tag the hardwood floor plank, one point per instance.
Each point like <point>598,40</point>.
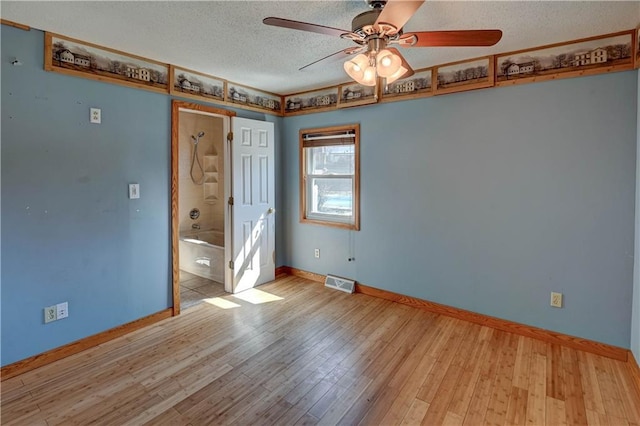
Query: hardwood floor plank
<point>448,343</point>
<point>590,385</point>
<point>574,396</point>
<point>417,410</point>
<point>610,394</point>
<point>517,409</point>
<point>306,420</point>
<point>483,387</point>
<point>439,404</point>
<point>270,408</point>
<point>271,415</point>
<point>230,413</point>
<point>339,407</point>
<point>228,384</point>
<point>412,374</point>
<point>556,414</point>
<point>465,387</point>
<point>452,419</point>
<point>108,401</point>
<point>595,418</point>
<point>181,388</point>
<point>64,403</point>
<point>523,362</point>
<point>499,401</point>
<point>11,385</point>
<point>304,365</point>
<point>305,402</point>
<point>630,398</point>
<point>19,409</point>
<point>376,388</point>
<point>404,342</point>
<point>317,356</point>
<point>555,372</point>
<point>536,402</point>
<point>122,413</point>
<point>33,417</point>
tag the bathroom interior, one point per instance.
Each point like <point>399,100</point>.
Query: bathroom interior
<point>201,213</point>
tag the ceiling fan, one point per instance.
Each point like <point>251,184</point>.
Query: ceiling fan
<point>376,30</point>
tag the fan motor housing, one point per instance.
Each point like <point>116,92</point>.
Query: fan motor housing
<point>365,19</point>
<point>365,26</point>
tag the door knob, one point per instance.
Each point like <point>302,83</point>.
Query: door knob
<point>271,210</point>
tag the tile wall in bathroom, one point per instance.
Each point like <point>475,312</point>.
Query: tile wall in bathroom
<point>191,195</point>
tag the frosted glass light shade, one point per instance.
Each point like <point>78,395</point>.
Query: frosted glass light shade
<point>388,63</point>
<point>398,74</point>
<point>355,67</point>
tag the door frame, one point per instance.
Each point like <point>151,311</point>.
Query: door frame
<point>177,107</point>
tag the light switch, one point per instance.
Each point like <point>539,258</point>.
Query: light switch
<point>134,190</point>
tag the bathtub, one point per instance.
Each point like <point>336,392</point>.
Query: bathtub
<point>202,254</point>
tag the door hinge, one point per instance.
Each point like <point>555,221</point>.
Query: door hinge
<point>230,202</point>
<point>231,264</point>
<point>230,136</point>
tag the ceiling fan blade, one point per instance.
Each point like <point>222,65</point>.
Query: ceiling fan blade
<point>341,54</point>
<point>398,12</point>
<point>304,26</point>
<point>453,38</point>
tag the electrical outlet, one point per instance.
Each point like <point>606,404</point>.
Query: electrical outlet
<point>95,115</point>
<point>556,299</point>
<point>50,314</point>
<point>62,310</point>
<point>316,253</point>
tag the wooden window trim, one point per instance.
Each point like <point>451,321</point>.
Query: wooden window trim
<point>355,128</point>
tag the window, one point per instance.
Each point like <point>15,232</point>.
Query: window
<point>330,176</point>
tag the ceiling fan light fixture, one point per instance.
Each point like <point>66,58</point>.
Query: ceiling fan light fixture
<point>388,63</point>
<point>375,30</point>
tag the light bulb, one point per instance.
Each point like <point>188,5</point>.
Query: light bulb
<point>369,77</point>
<point>388,63</point>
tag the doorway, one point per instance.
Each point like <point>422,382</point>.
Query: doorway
<point>222,203</point>
<point>200,187</point>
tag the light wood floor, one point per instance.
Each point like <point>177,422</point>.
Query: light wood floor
<point>313,355</point>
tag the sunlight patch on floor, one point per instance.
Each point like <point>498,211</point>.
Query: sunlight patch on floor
<point>221,303</point>
<point>255,296</point>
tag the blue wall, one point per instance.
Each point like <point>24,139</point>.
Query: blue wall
<point>490,200</point>
<point>635,320</point>
<point>69,231</point>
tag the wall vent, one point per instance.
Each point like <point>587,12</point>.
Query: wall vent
<point>339,283</point>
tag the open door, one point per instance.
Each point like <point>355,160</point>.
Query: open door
<point>252,204</point>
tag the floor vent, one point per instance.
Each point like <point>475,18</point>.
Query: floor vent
<point>342,284</point>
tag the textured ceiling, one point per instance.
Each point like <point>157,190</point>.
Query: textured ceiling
<point>227,38</point>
